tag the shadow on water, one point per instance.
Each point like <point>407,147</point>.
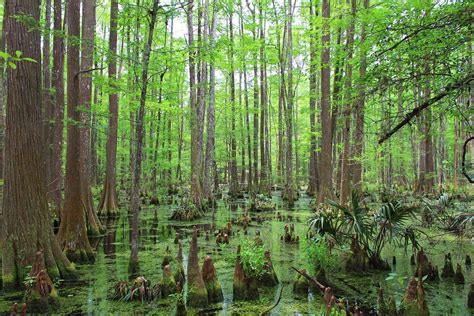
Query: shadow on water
<point>91,295</point>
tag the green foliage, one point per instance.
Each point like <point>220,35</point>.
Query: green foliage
<point>252,257</point>
<point>373,230</point>
<point>318,255</point>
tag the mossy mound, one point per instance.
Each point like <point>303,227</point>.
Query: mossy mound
<point>186,212</point>
<point>168,283</point>
<point>262,204</point>
<point>213,286</point>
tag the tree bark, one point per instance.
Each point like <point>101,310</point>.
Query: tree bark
<point>359,112</point>
<point>72,230</point>
<point>326,147</point>
<point>345,174</point>
<point>289,186</point>
<point>57,179</point>
<point>196,136</point>
<point>209,170</point>
<point>85,98</point>
<point>25,218</point>
<point>47,100</point>
<point>140,133</point>
<point>108,203</point>
<point>313,183</point>
<point>234,185</point>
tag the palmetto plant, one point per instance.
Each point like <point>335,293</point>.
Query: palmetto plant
<point>389,224</point>
<point>343,221</point>
<point>392,220</point>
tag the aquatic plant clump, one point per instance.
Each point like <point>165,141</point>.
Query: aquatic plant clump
<point>262,203</point>
<point>245,286</point>
<point>186,212</point>
<point>139,290</point>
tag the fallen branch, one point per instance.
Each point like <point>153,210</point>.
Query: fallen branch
<point>267,312</point>
<point>311,279</point>
<point>416,111</point>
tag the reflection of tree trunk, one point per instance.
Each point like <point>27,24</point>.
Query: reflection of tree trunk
<point>110,238</point>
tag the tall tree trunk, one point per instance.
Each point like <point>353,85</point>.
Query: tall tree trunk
<point>359,112</point>
<point>246,100</point>
<point>234,185</point>
<point>3,99</point>
<point>85,98</point>
<point>265,185</point>
<point>313,183</point>
<point>196,137</point>
<point>72,230</point>
<point>56,183</point>
<point>25,218</point>
<point>140,134</point>
<point>108,202</point>
<point>325,168</point>
<point>47,100</point>
<point>289,186</point>
<point>428,140</point>
<point>209,170</point>
<point>345,174</point>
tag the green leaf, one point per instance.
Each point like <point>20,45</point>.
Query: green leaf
<point>4,55</point>
<point>29,59</point>
<point>12,65</point>
<point>18,54</point>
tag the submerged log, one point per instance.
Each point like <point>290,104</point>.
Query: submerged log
<point>197,293</point>
<point>213,286</point>
<point>41,295</point>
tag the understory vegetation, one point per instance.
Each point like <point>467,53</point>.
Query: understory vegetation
<point>268,157</point>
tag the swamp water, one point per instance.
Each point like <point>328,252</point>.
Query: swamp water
<point>91,295</point>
